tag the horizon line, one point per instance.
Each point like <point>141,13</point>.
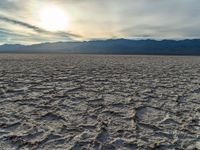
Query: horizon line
<point>96,40</point>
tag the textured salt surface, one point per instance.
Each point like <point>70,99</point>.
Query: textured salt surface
<point>51,102</point>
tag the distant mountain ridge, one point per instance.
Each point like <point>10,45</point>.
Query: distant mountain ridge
<point>112,46</point>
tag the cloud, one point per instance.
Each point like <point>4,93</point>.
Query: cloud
<point>12,35</point>
<point>37,29</point>
<point>9,20</point>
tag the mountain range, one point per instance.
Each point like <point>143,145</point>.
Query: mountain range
<point>111,46</point>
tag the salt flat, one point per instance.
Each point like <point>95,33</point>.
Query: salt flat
<point>52,102</point>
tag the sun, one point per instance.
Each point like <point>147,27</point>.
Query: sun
<point>53,18</point>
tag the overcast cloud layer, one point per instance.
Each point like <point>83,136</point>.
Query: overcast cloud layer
<point>95,19</point>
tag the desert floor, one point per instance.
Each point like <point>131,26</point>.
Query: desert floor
<point>56,102</point>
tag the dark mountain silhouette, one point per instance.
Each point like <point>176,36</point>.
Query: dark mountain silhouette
<point>112,46</point>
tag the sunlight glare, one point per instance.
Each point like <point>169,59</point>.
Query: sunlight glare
<point>53,18</point>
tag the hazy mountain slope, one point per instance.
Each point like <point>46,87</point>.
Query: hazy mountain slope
<point>118,46</point>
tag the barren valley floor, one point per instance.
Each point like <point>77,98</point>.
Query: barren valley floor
<point>57,102</point>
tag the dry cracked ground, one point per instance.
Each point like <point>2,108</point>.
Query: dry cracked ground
<point>100,102</point>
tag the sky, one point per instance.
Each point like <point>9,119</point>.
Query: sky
<point>38,21</point>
